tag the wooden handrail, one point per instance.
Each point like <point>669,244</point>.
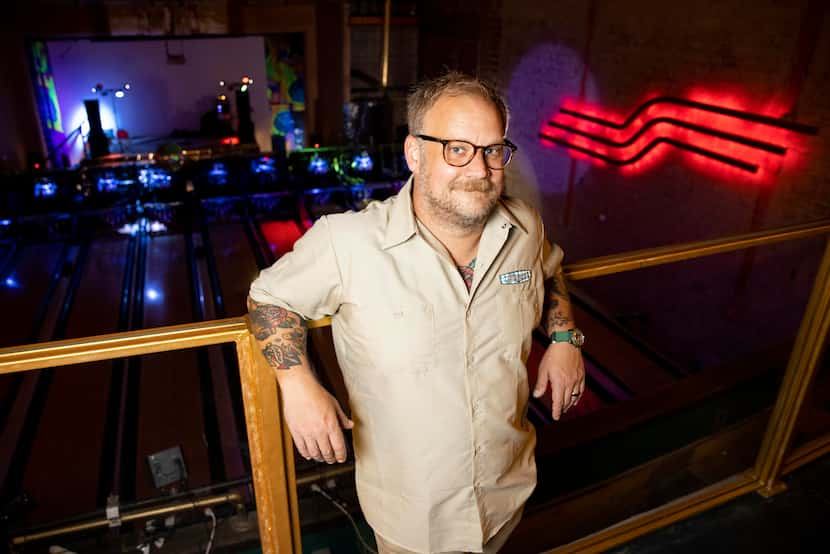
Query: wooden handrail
<point>270,443</point>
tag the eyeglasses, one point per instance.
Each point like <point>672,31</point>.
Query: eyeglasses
<point>459,153</point>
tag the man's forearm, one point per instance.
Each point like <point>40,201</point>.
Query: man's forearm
<point>281,334</point>
<point>557,314</point>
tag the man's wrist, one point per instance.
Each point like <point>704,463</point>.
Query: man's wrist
<point>572,336</point>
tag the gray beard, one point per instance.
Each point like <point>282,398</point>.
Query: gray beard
<point>446,210</point>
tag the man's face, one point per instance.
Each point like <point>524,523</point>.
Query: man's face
<point>462,197</point>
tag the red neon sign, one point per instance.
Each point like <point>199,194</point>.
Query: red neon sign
<point>711,134</point>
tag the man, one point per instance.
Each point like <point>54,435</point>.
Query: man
<point>434,294</point>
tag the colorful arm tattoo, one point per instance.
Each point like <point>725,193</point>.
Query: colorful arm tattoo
<point>281,333</point>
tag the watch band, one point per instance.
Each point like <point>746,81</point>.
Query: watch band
<point>574,337</point>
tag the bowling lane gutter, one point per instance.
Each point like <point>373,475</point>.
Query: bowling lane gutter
<point>116,397</point>
<point>28,432</point>
<point>210,419</point>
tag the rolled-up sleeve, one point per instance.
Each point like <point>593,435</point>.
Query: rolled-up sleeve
<point>306,280</point>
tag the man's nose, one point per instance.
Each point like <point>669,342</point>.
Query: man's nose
<point>477,166</point>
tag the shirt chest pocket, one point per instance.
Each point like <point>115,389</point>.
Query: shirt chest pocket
<point>519,305</point>
<point>400,337</point>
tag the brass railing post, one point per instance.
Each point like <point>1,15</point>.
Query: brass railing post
<point>272,461</point>
<point>811,338</point>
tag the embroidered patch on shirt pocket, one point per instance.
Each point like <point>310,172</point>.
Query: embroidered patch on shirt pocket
<point>515,277</point>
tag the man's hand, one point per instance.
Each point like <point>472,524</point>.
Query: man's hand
<point>314,417</point>
<point>563,368</point>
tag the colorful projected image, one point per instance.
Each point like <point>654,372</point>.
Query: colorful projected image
<point>47,97</point>
<point>285,70</point>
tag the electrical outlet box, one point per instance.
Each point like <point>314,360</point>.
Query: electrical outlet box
<point>167,467</point>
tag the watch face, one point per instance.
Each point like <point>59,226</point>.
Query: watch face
<point>577,339</point>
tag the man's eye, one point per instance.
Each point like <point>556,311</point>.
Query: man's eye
<point>456,149</point>
<point>494,151</point>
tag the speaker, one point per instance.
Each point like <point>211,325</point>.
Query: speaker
<point>245,130</point>
<point>98,141</point>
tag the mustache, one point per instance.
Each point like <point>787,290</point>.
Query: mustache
<point>476,185</point>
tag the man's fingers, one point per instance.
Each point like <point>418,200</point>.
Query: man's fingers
<point>541,384</point>
<point>345,422</point>
<point>558,401</point>
<point>338,444</point>
<point>325,449</point>
<point>313,449</point>
<point>299,442</point>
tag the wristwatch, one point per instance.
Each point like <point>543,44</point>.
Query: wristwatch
<point>572,336</point>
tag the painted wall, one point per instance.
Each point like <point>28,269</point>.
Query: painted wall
<point>164,97</point>
<point>772,57</point>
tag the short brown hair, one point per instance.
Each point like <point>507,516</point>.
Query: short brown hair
<point>452,83</point>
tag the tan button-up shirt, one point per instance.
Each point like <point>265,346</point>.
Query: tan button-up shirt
<point>436,376</point>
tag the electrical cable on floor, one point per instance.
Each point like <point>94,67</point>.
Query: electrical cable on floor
<point>316,488</point>
<point>212,516</point>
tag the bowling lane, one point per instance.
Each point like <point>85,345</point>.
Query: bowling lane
<point>170,406</point>
<point>236,265</point>
<point>63,469</point>
<point>23,289</point>
<point>21,293</point>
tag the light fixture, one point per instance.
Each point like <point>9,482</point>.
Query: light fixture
<point>126,86</point>
<point>119,93</point>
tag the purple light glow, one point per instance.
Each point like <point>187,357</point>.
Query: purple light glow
<point>543,78</point>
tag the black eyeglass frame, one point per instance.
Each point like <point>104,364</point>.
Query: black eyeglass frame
<point>444,142</point>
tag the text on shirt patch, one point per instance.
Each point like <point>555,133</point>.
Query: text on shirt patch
<point>515,277</point>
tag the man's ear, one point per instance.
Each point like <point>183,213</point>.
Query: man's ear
<point>412,151</point>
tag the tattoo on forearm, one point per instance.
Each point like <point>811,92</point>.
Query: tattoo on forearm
<point>282,333</point>
<point>557,319</point>
<point>557,309</point>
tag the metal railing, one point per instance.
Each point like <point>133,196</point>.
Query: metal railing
<point>272,460</point>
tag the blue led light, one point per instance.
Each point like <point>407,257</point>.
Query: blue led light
<point>154,177</point>
<point>45,188</point>
<point>153,294</point>
<point>362,162</point>
<point>218,174</point>
<point>11,282</point>
<point>107,182</point>
<point>318,165</point>
<point>5,222</point>
<point>264,165</point>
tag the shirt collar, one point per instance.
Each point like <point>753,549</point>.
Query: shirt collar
<point>402,226</point>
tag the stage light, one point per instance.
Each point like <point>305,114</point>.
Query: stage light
<point>5,222</point>
<point>153,294</point>
<point>245,80</point>
<point>243,88</point>
<point>126,86</point>
<point>11,283</point>
<point>119,94</point>
<point>318,165</point>
<point>221,83</point>
<point>94,90</point>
